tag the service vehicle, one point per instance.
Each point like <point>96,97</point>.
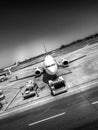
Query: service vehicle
<point>29,92</point>
<point>57,86</point>
<point>3,78</point>
<point>31,89</point>
<point>1,95</point>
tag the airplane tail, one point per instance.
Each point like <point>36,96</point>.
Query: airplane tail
<point>44,48</point>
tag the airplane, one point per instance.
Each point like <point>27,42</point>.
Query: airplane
<point>50,66</point>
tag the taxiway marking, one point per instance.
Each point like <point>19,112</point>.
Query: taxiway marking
<point>95,102</point>
<point>46,119</point>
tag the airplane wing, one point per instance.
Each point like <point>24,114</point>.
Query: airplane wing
<point>65,63</point>
<point>35,73</point>
<point>77,58</point>
<point>17,79</point>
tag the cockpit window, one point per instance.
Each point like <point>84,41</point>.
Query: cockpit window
<point>50,65</point>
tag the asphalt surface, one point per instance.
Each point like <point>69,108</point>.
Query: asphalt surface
<point>78,111</point>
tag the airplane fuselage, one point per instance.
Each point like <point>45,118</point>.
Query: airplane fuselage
<point>50,65</point>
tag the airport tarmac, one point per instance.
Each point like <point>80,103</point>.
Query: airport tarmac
<point>81,82</point>
<point>83,70</point>
<point>78,111</point>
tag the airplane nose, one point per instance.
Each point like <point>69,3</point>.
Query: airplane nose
<point>52,70</point>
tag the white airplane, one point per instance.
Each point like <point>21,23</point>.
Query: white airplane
<point>50,65</point>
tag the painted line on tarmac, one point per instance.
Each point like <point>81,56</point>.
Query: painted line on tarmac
<point>95,102</point>
<point>46,119</point>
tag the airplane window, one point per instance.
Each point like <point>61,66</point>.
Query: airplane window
<point>50,65</point>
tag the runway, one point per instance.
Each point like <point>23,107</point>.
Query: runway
<point>78,111</point>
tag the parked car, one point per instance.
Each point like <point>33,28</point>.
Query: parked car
<point>3,78</point>
<point>29,92</point>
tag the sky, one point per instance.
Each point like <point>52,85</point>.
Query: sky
<point>24,26</point>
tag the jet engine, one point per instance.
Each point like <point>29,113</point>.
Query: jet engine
<point>65,63</point>
<point>38,72</point>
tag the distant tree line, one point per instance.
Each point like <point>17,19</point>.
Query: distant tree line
<point>91,37</point>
